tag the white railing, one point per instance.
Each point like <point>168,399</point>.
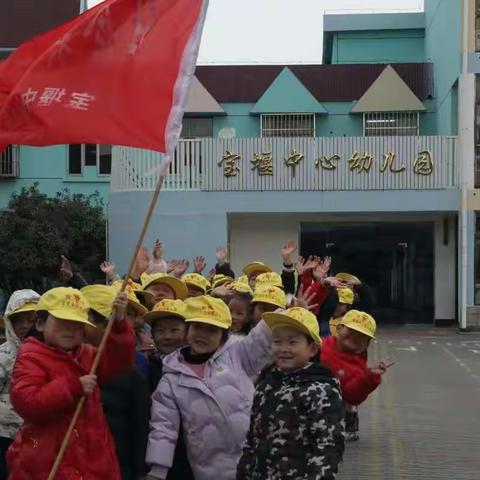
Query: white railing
<point>9,162</point>
<point>138,169</point>
<point>290,164</point>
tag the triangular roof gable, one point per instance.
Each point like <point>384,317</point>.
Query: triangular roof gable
<point>200,100</point>
<point>287,94</point>
<point>388,93</point>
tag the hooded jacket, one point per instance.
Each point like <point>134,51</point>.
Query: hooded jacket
<point>297,427</point>
<point>214,410</point>
<point>10,421</point>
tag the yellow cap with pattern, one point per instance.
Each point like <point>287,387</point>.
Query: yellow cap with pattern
<point>254,267</point>
<point>345,295</point>
<point>196,280</point>
<point>271,295</point>
<point>361,322</point>
<point>65,303</point>
<point>209,310</point>
<point>298,318</point>
<point>167,308</point>
<point>269,278</point>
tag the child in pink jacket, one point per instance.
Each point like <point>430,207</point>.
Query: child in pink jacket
<point>206,388</point>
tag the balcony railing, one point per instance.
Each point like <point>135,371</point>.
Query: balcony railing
<point>294,164</point>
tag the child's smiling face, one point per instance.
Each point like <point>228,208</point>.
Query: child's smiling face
<point>351,341</point>
<point>203,338</point>
<point>291,349</point>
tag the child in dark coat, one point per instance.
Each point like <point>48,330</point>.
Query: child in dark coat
<point>297,426</point>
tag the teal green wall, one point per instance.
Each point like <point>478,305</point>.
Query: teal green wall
<point>48,167</point>
<point>442,48</point>
<point>238,117</point>
<point>339,122</point>
<point>382,46</point>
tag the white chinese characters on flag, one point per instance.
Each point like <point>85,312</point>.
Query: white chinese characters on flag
<point>117,74</point>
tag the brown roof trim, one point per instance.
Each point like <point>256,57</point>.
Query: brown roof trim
<point>327,83</point>
<point>22,20</point>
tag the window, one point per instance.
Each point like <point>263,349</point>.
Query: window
<point>89,155</point>
<point>288,125</point>
<point>9,162</point>
<point>383,124</point>
<point>197,127</point>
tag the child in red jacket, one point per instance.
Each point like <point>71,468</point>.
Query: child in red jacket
<point>49,379</point>
<point>346,357</point>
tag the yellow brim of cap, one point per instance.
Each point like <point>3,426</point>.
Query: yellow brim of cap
<point>249,269</point>
<point>138,307</point>
<point>149,317</point>
<point>191,284</point>
<point>208,321</point>
<point>269,301</point>
<point>70,316</point>
<point>142,294</point>
<point>178,287</point>
<point>28,307</point>
<point>359,329</point>
<point>276,320</point>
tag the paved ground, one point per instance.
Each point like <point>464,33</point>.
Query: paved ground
<point>424,421</point>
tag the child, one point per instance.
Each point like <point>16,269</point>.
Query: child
<point>253,270</point>
<point>346,357</point>
<point>49,379</point>
<point>197,284</point>
<point>160,286</point>
<point>240,305</point>
<point>267,299</point>
<point>206,388</point>
<point>167,320</point>
<point>345,301</point>
<point>19,318</point>
<point>297,427</point>
<point>125,398</point>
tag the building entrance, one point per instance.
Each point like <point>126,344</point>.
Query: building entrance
<point>395,259</point>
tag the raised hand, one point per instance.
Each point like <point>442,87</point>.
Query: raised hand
<point>171,265</point>
<point>66,272</point>
<point>382,367</point>
<point>142,261</point>
<point>221,255</point>
<point>306,298</point>
<point>287,251</point>
<point>158,250</point>
<point>199,264</point>
<point>181,267</point>
<point>321,270</point>
<point>120,306</point>
<point>299,265</point>
<point>110,270</point>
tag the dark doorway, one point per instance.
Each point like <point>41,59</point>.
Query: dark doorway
<point>395,259</point>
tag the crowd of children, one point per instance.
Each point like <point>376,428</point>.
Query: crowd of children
<point>202,376</point>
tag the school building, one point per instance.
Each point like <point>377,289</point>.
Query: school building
<point>368,157</point>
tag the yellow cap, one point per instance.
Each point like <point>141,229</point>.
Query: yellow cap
<point>219,280</point>
<point>100,298</point>
<point>196,280</point>
<point>178,287</point>
<point>65,303</point>
<point>361,322</point>
<point>255,267</point>
<point>345,295</point>
<point>131,290</point>
<point>297,318</point>
<point>269,294</point>
<point>241,287</point>
<point>167,308</point>
<point>209,310</point>
<point>27,307</point>
<point>348,278</point>
<point>243,279</point>
<point>269,278</point>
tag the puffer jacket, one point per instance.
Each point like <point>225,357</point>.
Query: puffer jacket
<point>10,421</point>
<point>297,431</point>
<point>214,410</point>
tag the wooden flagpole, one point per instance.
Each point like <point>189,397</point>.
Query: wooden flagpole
<point>78,409</point>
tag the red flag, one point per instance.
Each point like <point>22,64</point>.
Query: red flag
<point>117,74</point>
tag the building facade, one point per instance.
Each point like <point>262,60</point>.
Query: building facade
<point>369,158</point>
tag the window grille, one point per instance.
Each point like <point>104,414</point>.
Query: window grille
<point>288,125</point>
<point>383,124</point>
<point>9,162</point>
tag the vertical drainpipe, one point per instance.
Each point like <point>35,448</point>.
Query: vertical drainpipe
<point>466,118</point>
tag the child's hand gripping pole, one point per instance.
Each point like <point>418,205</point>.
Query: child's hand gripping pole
<point>163,171</point>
